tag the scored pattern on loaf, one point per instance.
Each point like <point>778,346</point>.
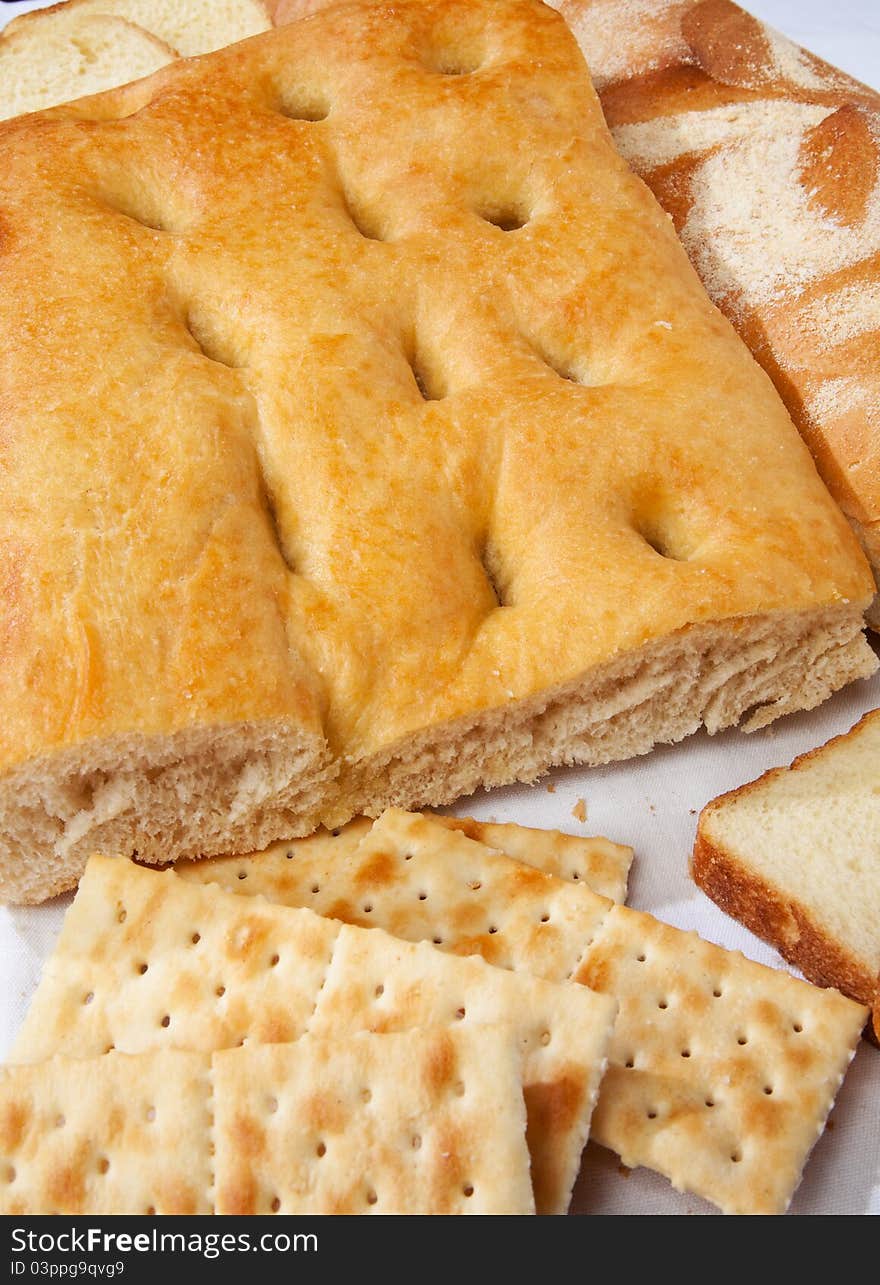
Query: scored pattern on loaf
<point>768,159</point>
<point>722,1071</point>
<point>483,365</point>
<point>126,973</point>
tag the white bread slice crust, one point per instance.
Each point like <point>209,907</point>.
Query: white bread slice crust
<point>188,26</point>
<point>59,55</point>
<point>795,856</point>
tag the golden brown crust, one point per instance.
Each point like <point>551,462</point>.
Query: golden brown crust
<point>770,911</point>
<point>775,918</point>
<point>817,336</point>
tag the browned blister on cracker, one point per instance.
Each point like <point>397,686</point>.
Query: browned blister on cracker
<point>107,1135</point>
<point>425,1121</point>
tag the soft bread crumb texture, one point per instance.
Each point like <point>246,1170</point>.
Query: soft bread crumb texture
<point>554,560</point>
<point>189,27</point>
<point>796,856</point>
<point>72,55</point>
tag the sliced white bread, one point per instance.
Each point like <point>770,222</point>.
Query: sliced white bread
<point>59,55</point>
<point>795,856</point>
<point>189,26</point>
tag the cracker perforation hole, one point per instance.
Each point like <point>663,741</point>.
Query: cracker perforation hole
<point>143,968</point>
<point>372,1198</point>
<point>88,997</point>
<point>151,1210</point>
<point>416,1142</point>
<point>366,1096</point>
<point>166,1021</point>
<point>467,1190</point>
<point>458,1088</point>
<point>545,918</point>
<point>275,1205</point>
<point>122,915</point>
<point>797,1027</point>
<point>460,1013</point>
<point>274,961</point>
<point>710,1102</point>
<point>196,938</point>
<point>10,1173</point>
<point>220,992</point>
<point>630,1063</point>
<point>103,1165</point>
<point>736,1157</point>
<point>242,874</point>
<point>368,909</point>
<point>662,1003</point>
<point>492,930</point>
<point>423,896</point>
<point>379,991</point>
<point>742,1040</point>
<point>321,1150</point>
<point>437,941</point>
<point>316,888</point>
<point>717,992</point>
<point>60,1121</point>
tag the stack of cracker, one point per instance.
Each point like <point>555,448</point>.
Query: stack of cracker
<point>403,1017</point>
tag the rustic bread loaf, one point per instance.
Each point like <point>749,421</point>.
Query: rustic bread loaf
<point>795,856</point>
<point>345,473</point>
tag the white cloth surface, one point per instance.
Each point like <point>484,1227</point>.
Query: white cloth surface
<point>652,804</point>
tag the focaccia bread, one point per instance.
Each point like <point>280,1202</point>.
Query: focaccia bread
<point>768,159</point>
<point>367,437</point>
